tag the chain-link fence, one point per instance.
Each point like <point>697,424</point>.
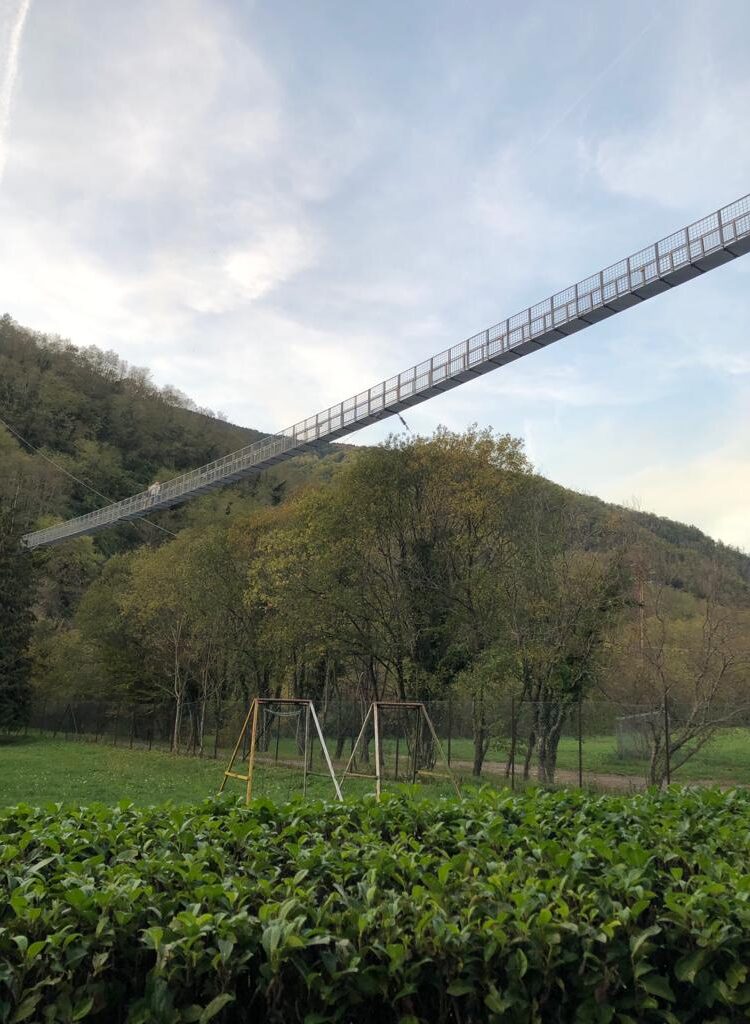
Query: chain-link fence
<point>608,745</point>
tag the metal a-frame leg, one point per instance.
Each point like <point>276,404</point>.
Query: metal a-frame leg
<point>229,773</point>
<point>324,748</point>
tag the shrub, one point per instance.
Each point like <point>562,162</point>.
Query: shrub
<point>550,906</point>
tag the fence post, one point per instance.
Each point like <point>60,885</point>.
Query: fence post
<point>667,740</point>
<point>132,727</point>
<point>450,728</point>
<point>513,742</point>
<point>306,755</point>
<point>580,743</point>
<point>415,759</point>
<point>117,719</point>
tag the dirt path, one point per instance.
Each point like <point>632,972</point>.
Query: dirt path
<point>601,780</point>
<point>608,781</point>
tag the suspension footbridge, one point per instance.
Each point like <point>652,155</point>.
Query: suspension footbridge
<point>693,250</point>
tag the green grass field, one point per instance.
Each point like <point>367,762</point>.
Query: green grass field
<point>725,759</point>
<point>39,770</point>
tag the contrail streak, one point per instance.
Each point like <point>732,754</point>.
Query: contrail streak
<point>9,79</point>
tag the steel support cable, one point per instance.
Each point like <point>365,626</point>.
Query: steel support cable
<point>72,476</point>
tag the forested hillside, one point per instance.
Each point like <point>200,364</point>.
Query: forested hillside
<point>104,423</point>
<point>423,568</point>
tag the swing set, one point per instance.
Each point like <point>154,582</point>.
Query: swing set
<point>264,714</point>
<point>407,747</point>
<point>393,723</point>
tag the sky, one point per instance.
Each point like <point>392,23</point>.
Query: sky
<point>274,205</point>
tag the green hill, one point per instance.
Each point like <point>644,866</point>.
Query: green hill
<point>105,422</point>
<point>79,419</point>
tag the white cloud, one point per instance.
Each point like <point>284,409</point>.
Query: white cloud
<point>541,382</point>
<point>529,227</point>
<point>709,138</point>
<point>267,370</point>
<point>276,256</point>
<point>228,279</point>
<point>10,47</point>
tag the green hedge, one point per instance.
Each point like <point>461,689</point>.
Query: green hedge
<point>550,906</point>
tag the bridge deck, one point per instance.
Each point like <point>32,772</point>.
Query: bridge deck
<point>685,254</point>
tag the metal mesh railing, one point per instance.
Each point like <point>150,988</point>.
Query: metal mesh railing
<point>634,278</point>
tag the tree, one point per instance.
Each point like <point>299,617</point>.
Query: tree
<point>688,657</point>
<point>118,663</point>
<point>28,485</point>
<point>561,601</point>
<point>183,603</point>
<point>156,607</point>
<point>16,625</point>
<point>489,685</point>
<point>389,576</point>
<point>228,657</point>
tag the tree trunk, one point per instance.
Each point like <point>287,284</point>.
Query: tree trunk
<point>548,746</point>
<point>657,768</point>
<point>529,755</point>
<point>177,721</point>
<point>202,723</point>
<point>479,730</point>
<point>550,723</point>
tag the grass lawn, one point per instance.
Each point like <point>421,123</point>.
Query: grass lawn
<point>724,759</point>
<point>39,770</point>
